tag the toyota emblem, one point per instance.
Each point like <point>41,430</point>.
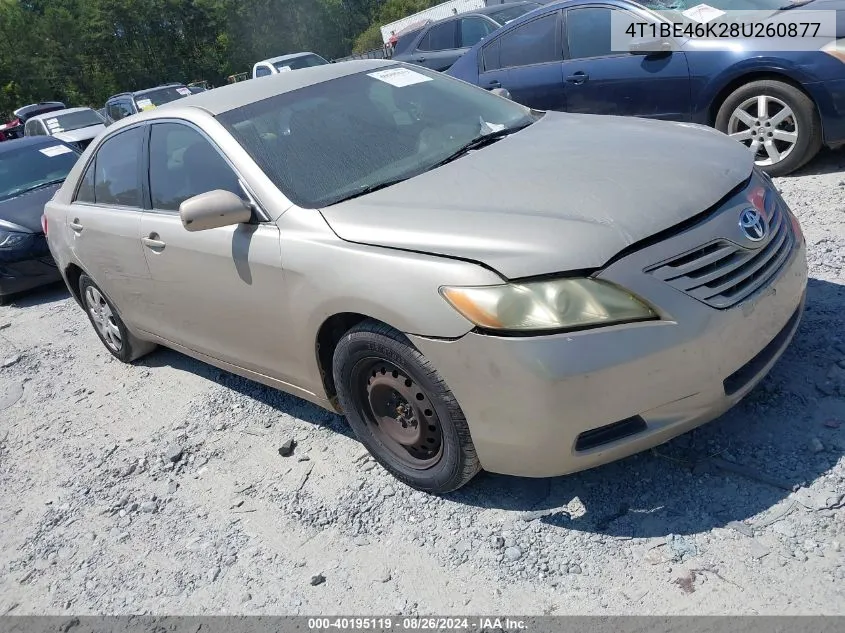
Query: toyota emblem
<point>753,224</point>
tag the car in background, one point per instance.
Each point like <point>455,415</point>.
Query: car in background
<point>285,63</point>
<point>15,127</point>
<point>783,106</point>
<point>439,44</point>
<point>473,283</point>
<point>31,170</point>
<point>77,126</point>
<point>126,104</point>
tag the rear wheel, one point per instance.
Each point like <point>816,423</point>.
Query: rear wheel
<point>777,123</point>
<point>122,344</point>
<point>402,410</point>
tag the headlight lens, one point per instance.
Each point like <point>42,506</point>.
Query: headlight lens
<point>547,305</point>
<point>10,239</point>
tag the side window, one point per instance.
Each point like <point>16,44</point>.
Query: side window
<point>531,43</point>
<point>490,56</point>
<point>184,164</point>
<point>439,38</point>
<point>262,71</point>
<point>116,179</point>
<point>29,129</point>
<point>588,32</point>
<point>85,193</point>
<point>473,30</point>
<point>116,110</point>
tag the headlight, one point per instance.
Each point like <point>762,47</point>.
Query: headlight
<point>547,305</point>
<point>12,235</point>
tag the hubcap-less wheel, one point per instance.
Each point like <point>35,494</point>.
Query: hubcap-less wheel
<point>399,413</point>
<point>767,126</point>
<point>103,318</point>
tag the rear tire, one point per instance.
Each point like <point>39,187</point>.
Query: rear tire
<point>402,410</point>
<point>108,325</point>
<point>787,112</point>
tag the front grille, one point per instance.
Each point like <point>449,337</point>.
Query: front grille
<point>721,273</point>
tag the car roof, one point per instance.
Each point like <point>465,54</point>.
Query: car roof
<point>242,93</point>
<point>55,113</point>
<point>137,93</point>
<point>28,141</point>
<point>34,107</point>
<point>284,58</point>
<point>495,8</point>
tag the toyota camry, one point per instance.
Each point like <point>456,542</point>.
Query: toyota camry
<point>472,283</point>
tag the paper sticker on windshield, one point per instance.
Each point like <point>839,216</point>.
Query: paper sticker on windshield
<point>399,77</point>
<point>284,69</point>
<point>55,150</point>
<point>145,104</point>
<point>703,13</point>
<point>183,91</point>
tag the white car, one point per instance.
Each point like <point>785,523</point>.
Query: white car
<point>285,63</point>
<point>77,126</point>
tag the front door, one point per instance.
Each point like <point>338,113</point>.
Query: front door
<point>219,292</point>
<point>105,222</point>
<point>531,54</point>
<point>437,48</point>
<point>598,80</point>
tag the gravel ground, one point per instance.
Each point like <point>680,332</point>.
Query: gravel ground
<point>159,488</point>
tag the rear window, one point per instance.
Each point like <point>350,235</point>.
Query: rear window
<point>160,96</point>
<point>72,121</point>
<point>34,166</point>
<point>297,63</point>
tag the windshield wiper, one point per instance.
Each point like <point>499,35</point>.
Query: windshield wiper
<point>363,191</point>
<point>40,185</point>
<point>478,142</point>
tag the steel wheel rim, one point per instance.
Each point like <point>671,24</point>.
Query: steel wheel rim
<point>103,318</point>
<point>398,413</point>
<point>767,127</point>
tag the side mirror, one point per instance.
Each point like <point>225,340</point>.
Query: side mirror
<point>502,92</point>
<point>212,210</point>
<point>660,46</point>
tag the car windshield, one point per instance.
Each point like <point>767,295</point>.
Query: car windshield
<point>512,13</point>
<point>72,121</point>
<point>160,96</point>
<point>334,140</point>
<point>34,166</point>
<point>306,61</point>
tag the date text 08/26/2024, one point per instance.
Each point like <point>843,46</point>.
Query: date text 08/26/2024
<point>416,624</point>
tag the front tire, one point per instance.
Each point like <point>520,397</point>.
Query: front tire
<point>402,411</point>
<point>108,325</point>
<point>776,121</point>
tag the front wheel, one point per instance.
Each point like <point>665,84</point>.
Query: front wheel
<point>777,122</point>
<point>402,410</point>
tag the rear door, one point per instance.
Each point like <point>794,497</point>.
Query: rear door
<point>526,60</point>
<point>601,81</point>
<point>436,49</point>
<point>104,223</point>
<point>220,291</point>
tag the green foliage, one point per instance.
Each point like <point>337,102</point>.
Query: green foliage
<point>83,51</point>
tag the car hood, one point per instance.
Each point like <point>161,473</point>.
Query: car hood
<point>567,193</point>
<point>26,209</point>
<point>82,134</point>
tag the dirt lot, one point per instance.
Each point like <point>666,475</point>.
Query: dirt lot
<point>159,488</point>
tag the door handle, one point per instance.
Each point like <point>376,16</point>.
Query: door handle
<point>494,84</point>
<point>76,226</point>
<point>153,242</point>
<point>578,78</point>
